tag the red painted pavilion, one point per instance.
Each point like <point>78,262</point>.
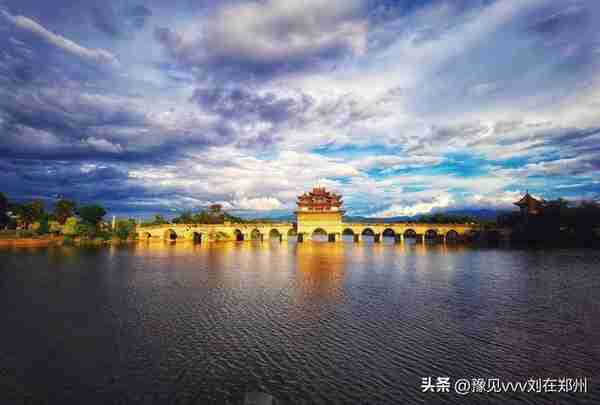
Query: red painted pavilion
<point>319,199</point>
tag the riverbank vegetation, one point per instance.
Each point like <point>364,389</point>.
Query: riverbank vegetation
<point>67,222</point>
<point>214,215</point>
<point>557,223</point>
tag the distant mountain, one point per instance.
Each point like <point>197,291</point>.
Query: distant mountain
<point>479,214</point>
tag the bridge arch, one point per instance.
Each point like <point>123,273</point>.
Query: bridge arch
<point>197,237</point>
<point>430,234</point>
<point>410,234</point>
<point>255,234</point>
<point>274,234</point>
<point>170,234</point>
<point>319,235</point>
<point>348,235</point>
<point>368,235</point>
<point>452,236</point>
<point>146,235</point>
<point>388,232</point>
<point>238,235</point>
<point>292,232</point>
<point>388,236</point>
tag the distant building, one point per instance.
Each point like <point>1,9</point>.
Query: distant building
<point>529,205</point>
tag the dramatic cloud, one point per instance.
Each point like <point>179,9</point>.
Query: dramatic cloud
<point>419,208</point>
<point>99,56</point>
<point>122,22</point>
<point>403,107</point>
<point>268,37</point>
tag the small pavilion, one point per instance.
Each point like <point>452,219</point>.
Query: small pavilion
<point>529,205</point>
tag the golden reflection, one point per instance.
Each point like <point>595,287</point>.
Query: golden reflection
<point>320,268</point>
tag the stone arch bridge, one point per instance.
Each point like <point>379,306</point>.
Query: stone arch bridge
<point>282,231</point>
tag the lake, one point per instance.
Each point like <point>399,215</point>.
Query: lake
<point>310,323</point>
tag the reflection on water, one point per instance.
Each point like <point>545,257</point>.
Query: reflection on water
<point>310,323</point>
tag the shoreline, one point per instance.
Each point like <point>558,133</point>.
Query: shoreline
<point>56,241</point>
<point>30,242</point>
<point>59,241</point>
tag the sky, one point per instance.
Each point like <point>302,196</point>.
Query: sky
<point>403,107</point>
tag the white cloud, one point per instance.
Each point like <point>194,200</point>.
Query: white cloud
<point>258,204</point>
<point>102,145</point>
<point>483,89</point>
<point>98,56</point>
<point>503,199</point>
<point>442,201</point>
<point>271,32</point>
<point>394,162</point>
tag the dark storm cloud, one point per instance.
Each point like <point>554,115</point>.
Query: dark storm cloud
<point>118,21</point>
<point>54,123</point>
<point>239,103</point>
<point>571,18</point>
<point>267,39</point>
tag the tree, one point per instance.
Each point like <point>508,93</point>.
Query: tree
<point>92,214</point>
<point>37,209</point>
<point>86,229</point>
<point>70,227</point>
<point>125,228</point>
<point>3,210</point>
<point>159,220</point>
<point>29,213</point>
<point>215,208</point>
<point>184,218</point>
<point>63,209</point>
<point>44,228</point>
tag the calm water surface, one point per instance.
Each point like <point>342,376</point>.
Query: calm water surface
<point>313,323</point>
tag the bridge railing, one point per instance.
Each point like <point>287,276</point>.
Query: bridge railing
<point>225,225</point>
<point>407,224</point>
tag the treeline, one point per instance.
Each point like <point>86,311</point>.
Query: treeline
<point>214,215</point>
<point>556,222</point>
<point>440,218</point>
<point>67,218</point>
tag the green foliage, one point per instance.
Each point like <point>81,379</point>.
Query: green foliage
<point>86,230</point>
<point>445,219</point>
<point>54,227</point>
<point>3,210</point>
<point>43,228</point>
<point>157,220</point>
<point>184,218</point>
<point>68,240</point>
<point>64,209</point>
<point>29,212</point>
<point>92,214</point>
<point>11,224</point>
<point>559,222</point>
<point>104,235</point>
<point>25,233</point>
<point>37,209</point>
<point>213,216</point>
<point>125,229</point>
<point>70,227</point>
